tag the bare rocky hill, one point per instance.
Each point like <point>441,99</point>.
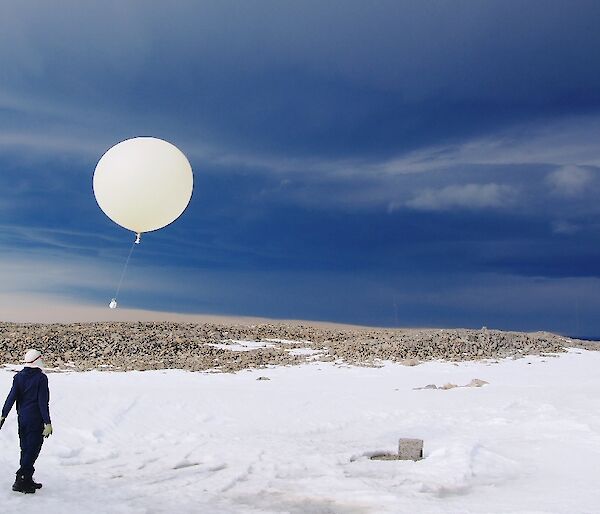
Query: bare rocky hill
<point>213,346</point>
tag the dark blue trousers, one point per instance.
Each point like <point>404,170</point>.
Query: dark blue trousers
<point>31,439</point>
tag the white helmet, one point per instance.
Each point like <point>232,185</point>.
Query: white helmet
<point>33,359</point>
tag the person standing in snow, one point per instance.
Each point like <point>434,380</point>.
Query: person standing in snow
<point>30,391</point>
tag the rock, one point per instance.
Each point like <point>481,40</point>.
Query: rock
<point>428,386</point>
<point>410,449</point>
<point>263,378</point>
<point>159,345</point>
<point>448,386</point>
<point>384,456</point>
<point>410,362</point>
<point>476,382</point>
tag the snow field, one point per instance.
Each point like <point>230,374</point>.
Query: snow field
<point>175,441</point>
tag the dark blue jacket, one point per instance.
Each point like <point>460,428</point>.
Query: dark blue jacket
<point>30,391</point>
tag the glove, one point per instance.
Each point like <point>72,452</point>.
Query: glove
<point>47,430</point>
<point>2,418</point>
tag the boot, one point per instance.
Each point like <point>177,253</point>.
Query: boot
<point>23,485</point>
<point>37,485</point>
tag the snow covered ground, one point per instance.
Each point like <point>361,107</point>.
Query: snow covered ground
<point>175,441</point>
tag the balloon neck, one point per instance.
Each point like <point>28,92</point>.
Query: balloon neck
<point>138,238</point>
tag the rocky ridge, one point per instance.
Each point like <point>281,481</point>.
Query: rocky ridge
<point>212,346</point>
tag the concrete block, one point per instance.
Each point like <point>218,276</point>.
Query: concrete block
<point>410,449</point>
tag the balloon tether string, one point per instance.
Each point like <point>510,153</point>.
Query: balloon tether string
<point>137,241</point>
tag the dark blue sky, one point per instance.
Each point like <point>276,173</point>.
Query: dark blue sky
<point>390,163</point>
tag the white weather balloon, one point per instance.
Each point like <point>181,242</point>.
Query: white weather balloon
<point>143,184</point>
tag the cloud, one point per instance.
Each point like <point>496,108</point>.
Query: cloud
<point>567,305</point>
<point>43,308</point>
<point>558,142</point>
<point>565,227</point>
<point>569,180</point>
<point>464,196</point>
<point>74,287</point>
<point>257,82</point>
<point>49,144</point>
<point>15,236</point>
